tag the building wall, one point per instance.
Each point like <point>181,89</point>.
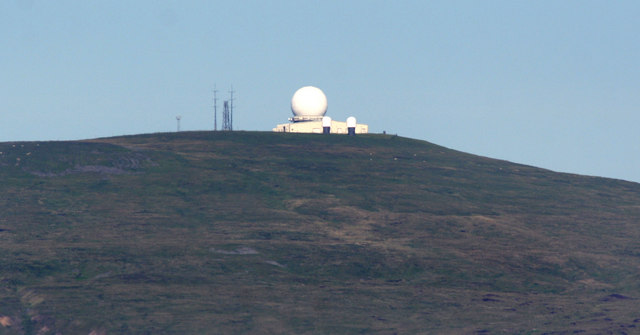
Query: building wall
<point>337,127</point>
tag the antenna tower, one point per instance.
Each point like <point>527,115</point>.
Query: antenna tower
<point>215,109</point>
<point>231,108</point>
<point>226,120</point>
<point>227,113</point>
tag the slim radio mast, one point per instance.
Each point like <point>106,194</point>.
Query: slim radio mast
<point>215,109</point>
<point>231,109</point>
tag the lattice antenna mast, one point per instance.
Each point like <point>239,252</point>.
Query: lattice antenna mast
<point>231,109</point>
<point>226,122</point>
<point>215,108</point>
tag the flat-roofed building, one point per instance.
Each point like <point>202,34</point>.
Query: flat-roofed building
<point>316,127</point>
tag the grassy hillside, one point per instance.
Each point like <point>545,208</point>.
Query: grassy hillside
<point>249,232</point>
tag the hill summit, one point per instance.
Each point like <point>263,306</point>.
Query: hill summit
<point>251,232</point>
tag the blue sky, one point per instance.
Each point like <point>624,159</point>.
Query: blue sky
<point>547,83</point>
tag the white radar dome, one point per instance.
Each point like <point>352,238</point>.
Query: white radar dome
<point>326,121</point>
<point>351,122</point>
<point>309,101</point>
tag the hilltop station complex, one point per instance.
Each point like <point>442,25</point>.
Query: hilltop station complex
<point>309,106</point>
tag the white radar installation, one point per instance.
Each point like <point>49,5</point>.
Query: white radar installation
<point>309,103</point>
<point>309,106</point>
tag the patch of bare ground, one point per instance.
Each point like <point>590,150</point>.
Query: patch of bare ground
<point>237,251</point>
<point>124,164</point>
<point>293,204</point>
<point>594,284</point>
<point>7,321</point>
<point>362,228</point>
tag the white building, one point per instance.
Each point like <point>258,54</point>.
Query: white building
<point>309,105</point>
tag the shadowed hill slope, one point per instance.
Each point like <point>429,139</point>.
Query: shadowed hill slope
<point>249,232</point>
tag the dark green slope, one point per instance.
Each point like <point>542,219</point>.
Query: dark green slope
<point>248,232</point>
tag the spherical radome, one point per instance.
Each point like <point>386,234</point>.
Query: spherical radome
<point>326,121</point>
<point>351,122</point>
<point>309,101</point>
